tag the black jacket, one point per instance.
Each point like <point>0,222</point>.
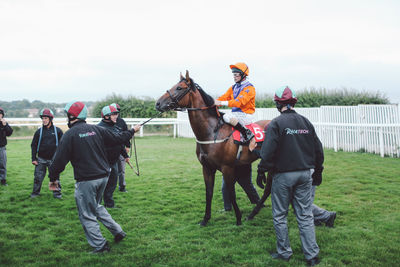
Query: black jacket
<point>84,145</point>
<point>4,132</point>
<point>47,144</point>
<point>121,124</point>
<point>291,144</point>
<point>113,151</point>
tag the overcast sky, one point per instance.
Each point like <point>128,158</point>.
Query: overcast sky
<point>85,50</point>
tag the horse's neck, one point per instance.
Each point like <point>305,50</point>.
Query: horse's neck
<point>201,121</point>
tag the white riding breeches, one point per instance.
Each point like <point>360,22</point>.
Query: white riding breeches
<point>242,117</point>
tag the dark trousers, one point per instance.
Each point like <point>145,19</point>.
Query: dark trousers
<point>3,163</point>
<point>243,177</point>
<point>110,187</point>
<point>39,174</point>
<point>121,173</point>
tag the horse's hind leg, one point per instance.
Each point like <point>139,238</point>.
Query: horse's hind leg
<point>209,178</point>
<point>228,174</point>
<point>260,204</point>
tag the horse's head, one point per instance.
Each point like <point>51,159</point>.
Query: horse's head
<point>178,96</point>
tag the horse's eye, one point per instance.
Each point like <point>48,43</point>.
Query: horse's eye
<point>179,88</point>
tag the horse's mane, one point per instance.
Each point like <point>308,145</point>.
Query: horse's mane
<point>208,100</point>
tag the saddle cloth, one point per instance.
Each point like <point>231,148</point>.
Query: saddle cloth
<point>255,128</point>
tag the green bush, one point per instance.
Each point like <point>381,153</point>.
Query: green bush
<point>323,97</point>
<point>131,107</point>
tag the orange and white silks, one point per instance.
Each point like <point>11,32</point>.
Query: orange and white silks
<point>241,97</point>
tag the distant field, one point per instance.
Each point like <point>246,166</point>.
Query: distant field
<point>161,210</point>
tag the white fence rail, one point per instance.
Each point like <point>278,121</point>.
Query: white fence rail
<point>130,121</point>
<point>364,128</point>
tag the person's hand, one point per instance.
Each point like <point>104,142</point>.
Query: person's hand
<point>253,144</point>
<point>3,121</point>
<point>217,103</point>
<point>317,177</point>
<point>35,162</point>
<point>53,186</point>
<point>261,179</point>
<point>127,160</point>
<point>127,149</point>
<point>136,127</point>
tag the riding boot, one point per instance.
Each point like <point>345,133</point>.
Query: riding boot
<point>246,133</point>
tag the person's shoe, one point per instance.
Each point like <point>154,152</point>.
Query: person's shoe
<point>313,261</point>
<point>122,190</point>
<point>277,256</point>
<point>4,183</point>
<point>118,237</point>
<point>317,223</point>
<point>331,220</point>
<point>34,195</point>
<point>105,248</point>
<point>246,133</point>
<point>57,196</point>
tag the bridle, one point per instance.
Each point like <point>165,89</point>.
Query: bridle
<point>174,105</point>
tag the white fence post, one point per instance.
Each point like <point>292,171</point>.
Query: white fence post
<point>381,144</point>
<point>335,139</point>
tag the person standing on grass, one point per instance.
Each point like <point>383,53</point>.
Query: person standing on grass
<point>294,155</point>
<point>84,145</point>
<point>121,124</point>
<point>44,144</point>
<point>110,115</point>
<point>5,130</point>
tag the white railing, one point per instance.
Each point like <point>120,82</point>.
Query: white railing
<point>129,121</point>
<point>364,128</point>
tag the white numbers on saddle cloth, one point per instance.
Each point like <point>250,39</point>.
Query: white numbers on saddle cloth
<point>259,134</point>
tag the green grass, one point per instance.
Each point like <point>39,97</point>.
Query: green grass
<point>161,210</point>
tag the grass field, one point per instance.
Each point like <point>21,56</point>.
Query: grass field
<point>161,210</point>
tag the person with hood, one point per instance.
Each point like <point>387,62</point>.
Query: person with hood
<point>84,145</point>
<point>5,130</point>
<point>44,144</point>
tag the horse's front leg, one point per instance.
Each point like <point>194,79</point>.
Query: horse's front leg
<point>209,178</point>
<point>260,204</point>
<point>229,179</point>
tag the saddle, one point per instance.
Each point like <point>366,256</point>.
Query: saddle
<point>259,134</point>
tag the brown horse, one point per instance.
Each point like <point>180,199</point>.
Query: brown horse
<point>215,149</point>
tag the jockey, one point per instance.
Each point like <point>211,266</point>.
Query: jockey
<point>241,97</point>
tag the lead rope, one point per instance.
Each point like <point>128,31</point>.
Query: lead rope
<point>137,170</point>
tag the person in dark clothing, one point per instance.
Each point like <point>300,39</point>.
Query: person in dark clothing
<point>293,154</point>
<point>44,145</point>
<point>109,115</point>
<point>84,145</point>
<point>243,174</point>
<point>121,124</point>
<point>5,130</point>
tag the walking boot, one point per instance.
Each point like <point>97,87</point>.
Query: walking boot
<point>246,133</point>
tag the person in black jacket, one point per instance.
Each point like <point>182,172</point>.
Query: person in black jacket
<point>5,130</point>
<point>121,124</point>
<point>293,154</point>
<point>110,115</point>
<point>44,145</point>
<point>84,145</point>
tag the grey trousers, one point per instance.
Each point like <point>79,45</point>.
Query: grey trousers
<point>3,163</point>
<point>88,195</point>
<point>320,215</point>
<point>39,174</point>
<point>121,172</point>
<point>295,188</point>
<point>111,185</point>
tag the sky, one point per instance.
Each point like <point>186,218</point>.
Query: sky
<point>59,51</point>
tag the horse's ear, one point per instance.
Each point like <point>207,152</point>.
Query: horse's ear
<point>187,76</point>
<point>182,78</point>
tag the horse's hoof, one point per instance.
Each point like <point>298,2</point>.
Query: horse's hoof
<point>203,223</point>
<point>249,218</point>
<point>238,223</point>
